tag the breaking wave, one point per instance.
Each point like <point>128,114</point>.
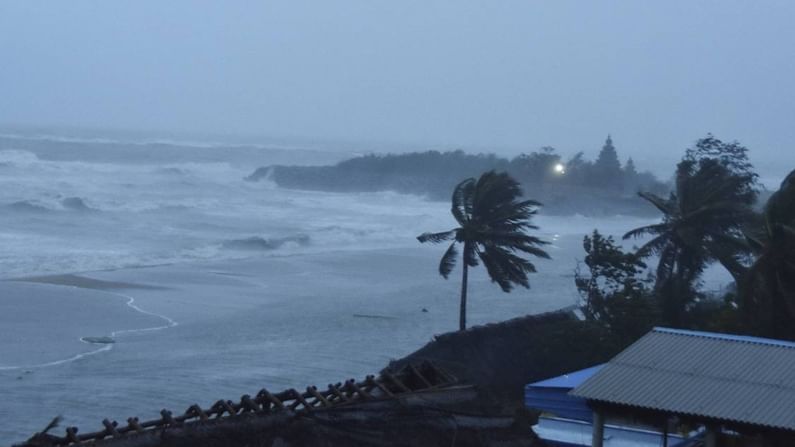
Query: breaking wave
<point>16,158</point>
<point>76,204</point>
<point>256,243</point>
<point>28,206</point>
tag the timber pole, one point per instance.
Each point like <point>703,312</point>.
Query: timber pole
<point>462,315</point>
<point>598,428</point>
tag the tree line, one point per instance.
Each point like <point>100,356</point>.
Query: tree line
<point>709,217</point>
<point>602,186</point>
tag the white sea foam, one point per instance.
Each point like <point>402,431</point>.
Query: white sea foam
<point>241,323</point>
<point>145,214</point>
<point>130,302</point>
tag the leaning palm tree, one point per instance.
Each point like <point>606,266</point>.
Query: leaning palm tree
<point>702,221</point>
<point>492,221</point>
<point>768,295</point>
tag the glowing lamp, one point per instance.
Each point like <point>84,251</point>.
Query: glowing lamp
<point>560,169</point>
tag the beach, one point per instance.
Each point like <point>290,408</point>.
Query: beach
<point>238,326</point>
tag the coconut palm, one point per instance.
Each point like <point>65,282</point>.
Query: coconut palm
<point>768,296</point>
<point>702,222</point>
<point>493,221</point>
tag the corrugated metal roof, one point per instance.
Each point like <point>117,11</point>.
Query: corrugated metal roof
<point>569,380</point>
<point>735,378</point>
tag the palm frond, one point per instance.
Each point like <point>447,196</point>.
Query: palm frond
<point>436,238</point>
<point>462,201</point>
<point>447,263</point>
<point>535,251</point>
<point>665,267</point>
<point>510,238</point>
<point>648,230</point>
<point>731,242</point>
<point>654,246</point>
<point>512,211</point>
<point>507,269</point>
<point>470,254</point>
<point>661,204</point>
<point>756,245</point>
<point>494,192</point>
<point>495,271</point>
<point>729,258</point>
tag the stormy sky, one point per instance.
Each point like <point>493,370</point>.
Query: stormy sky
<point>500,75</point>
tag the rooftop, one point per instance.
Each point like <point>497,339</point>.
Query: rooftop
<point>569,380</point>
<point>742,379</point>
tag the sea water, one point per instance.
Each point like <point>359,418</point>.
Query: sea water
<point>210,286</point>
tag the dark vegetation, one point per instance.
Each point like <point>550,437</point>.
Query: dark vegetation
<point>767,303</point>
<point>710,217</point>
<point>600,187</point>
<point>493,221</point>
<point>501,358</point>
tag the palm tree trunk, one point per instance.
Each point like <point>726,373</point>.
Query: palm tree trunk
<point>462,318</point>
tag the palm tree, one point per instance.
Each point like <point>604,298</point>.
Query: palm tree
<point>492,228</point>
<point>768,296</point>
<point>702,222</point>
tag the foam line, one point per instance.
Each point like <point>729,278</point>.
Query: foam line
<point>131,304</point>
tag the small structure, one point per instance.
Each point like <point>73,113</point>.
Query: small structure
<point>552,396</point>
<point>566,420</point>
<point>739,390</point>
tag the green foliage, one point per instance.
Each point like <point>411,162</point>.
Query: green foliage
<point>430,173</point>
<point>702,223</point>
<point>616,291</point>
<point>734,157</point>
<point>493,223</point>
<point>434,174</point>
<point>536,167</point>
<point>768,296</point>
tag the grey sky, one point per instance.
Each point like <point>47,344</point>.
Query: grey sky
<point>507,75</point>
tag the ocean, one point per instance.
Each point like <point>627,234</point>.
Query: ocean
<point>213,286</point>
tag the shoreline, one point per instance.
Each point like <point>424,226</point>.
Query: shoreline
<point>81,282</point>
<point>278,322</point>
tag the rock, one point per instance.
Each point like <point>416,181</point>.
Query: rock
<point>99,340</point>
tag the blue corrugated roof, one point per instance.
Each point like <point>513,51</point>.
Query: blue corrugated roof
<point>570,380</point>
<point>730,337</point>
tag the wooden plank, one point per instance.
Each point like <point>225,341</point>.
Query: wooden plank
<point>110,428</point>
<point>376,384</point>
<point>335,389</point>
<point>397,382</point>
<point>419,376</point>
<point>318,397</point>
<point>358,390</point>
<point>271,398</point>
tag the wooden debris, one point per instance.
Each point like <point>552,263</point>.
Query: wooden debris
<point>388,387</point>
